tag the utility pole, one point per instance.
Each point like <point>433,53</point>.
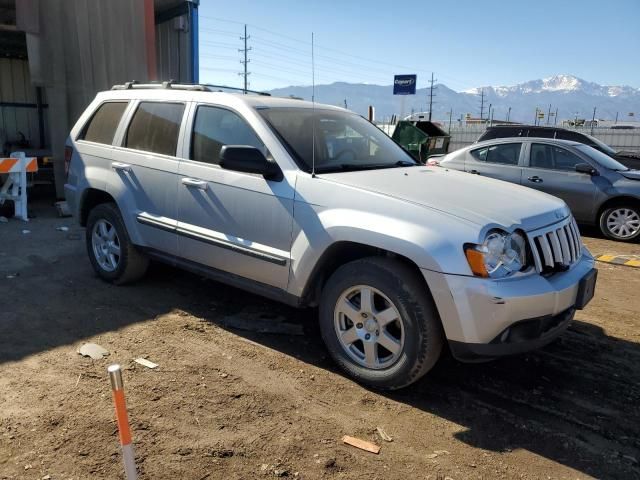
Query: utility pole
<point>555,118</point>
<point>246,61</point>
<point>535,118</point>
<point>345,104</point>
<point>481,104</point>
<point>593,119</point>
<point>450,115</point>
<point>509,114</point>
<point>616,117</point>
<point>489,114</point>
<point>431,95</point>
<point>548,114</point>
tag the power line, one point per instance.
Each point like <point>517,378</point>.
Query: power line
<point>461,83</point>
<point>246,61</point>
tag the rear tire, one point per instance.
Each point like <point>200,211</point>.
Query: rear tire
<point>112,255</point>
<point>621,223</point>
<point>357,306</point>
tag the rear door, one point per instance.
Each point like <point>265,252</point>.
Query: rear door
<point>551,169</point>
<point>501,161</point>
<point>147,167</point>
<point>237,222</point>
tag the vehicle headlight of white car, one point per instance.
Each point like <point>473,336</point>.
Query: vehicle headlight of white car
<point>500,255</point>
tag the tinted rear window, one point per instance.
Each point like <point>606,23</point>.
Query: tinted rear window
<point>102,126</point>
<point>155,127</point>
<point>505,153</point>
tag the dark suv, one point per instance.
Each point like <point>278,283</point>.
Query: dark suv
<point>628,159</point>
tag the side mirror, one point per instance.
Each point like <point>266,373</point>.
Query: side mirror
<point>586,168</point>
<point>244,158</point>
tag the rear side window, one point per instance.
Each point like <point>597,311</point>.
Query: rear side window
<point>505,154</point>
<point>102,126</point>
<point>215,127</point>
<point>155,127</point>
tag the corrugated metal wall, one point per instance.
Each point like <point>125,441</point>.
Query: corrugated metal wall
<point>16,88</point>
<point>173,49</point>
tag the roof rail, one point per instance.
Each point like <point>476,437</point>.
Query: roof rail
<point>171,84</point>
<point>237,89</point>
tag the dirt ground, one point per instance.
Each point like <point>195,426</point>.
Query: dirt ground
<point>234,404</point>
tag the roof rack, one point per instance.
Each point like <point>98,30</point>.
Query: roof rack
<point>171,84</point>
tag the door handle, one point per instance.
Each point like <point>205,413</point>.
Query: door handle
<point>535,179</point>
<point>191,182</point>
<point>123,167</point>
<point>475,172</point>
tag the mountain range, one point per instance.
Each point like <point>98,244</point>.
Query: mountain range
<point>570,95</point>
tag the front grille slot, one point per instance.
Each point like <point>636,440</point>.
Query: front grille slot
<point>556,247</point>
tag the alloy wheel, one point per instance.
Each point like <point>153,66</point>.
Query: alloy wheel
<point>106,245</point>
<point>369,327</point>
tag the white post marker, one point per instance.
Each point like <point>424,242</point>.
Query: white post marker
<point>15,187</point>
<point>117,388</point>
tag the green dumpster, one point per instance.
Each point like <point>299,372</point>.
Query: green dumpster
<point>421,139</point>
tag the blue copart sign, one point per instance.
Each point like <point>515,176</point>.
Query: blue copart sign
<point>404,84</point>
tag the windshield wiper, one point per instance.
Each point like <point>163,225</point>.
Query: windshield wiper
<point>352,167</point>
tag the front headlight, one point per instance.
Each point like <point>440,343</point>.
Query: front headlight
<point>500,255</point>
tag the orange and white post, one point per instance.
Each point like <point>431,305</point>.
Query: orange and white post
<point>117,388</point>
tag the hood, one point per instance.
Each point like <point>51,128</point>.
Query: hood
<point>631,174</point>
<point>480,200</point>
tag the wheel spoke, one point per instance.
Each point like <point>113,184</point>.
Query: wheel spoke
<point>366,300</point>
<point>103,232</point>
<point>113,263</point>
<point>349,310</point>
<point>114,249</point>
<point>388,342</point>
<point>349,336</point>
<point>112,233</point>
<point>370,354</point>
<point>386,316</point>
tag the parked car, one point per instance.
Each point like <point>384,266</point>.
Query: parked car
<point>627,158</point>
<point>280,197</point>
<point>599,190</point>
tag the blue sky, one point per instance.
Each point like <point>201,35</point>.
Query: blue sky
<point>466,43</point>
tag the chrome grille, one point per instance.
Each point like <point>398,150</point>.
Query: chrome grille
<point>557,247</point>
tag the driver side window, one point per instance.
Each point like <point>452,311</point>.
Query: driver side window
<point>553,158</point>
<point>216,127</point>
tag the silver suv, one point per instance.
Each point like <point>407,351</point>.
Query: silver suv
<point>314,206</point>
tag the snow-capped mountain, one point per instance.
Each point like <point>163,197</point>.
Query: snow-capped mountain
<point>558,83</point>
<point>570,95</point>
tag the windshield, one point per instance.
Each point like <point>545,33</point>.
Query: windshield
<point>344,141</point>
<point>601,145</point>
<point>605,160</point>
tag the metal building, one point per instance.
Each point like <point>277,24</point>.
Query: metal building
<point>56,54</point>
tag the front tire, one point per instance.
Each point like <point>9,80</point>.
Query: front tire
<point>113,257</point>
<point>379,323</point>
<point>621,223</point>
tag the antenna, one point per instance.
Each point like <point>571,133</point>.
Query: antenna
<point>313,109</point>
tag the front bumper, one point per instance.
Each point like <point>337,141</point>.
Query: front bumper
<point>485,318</point>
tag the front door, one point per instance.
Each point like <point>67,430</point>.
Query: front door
<point>552,169</point>
<point>236,222</point>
